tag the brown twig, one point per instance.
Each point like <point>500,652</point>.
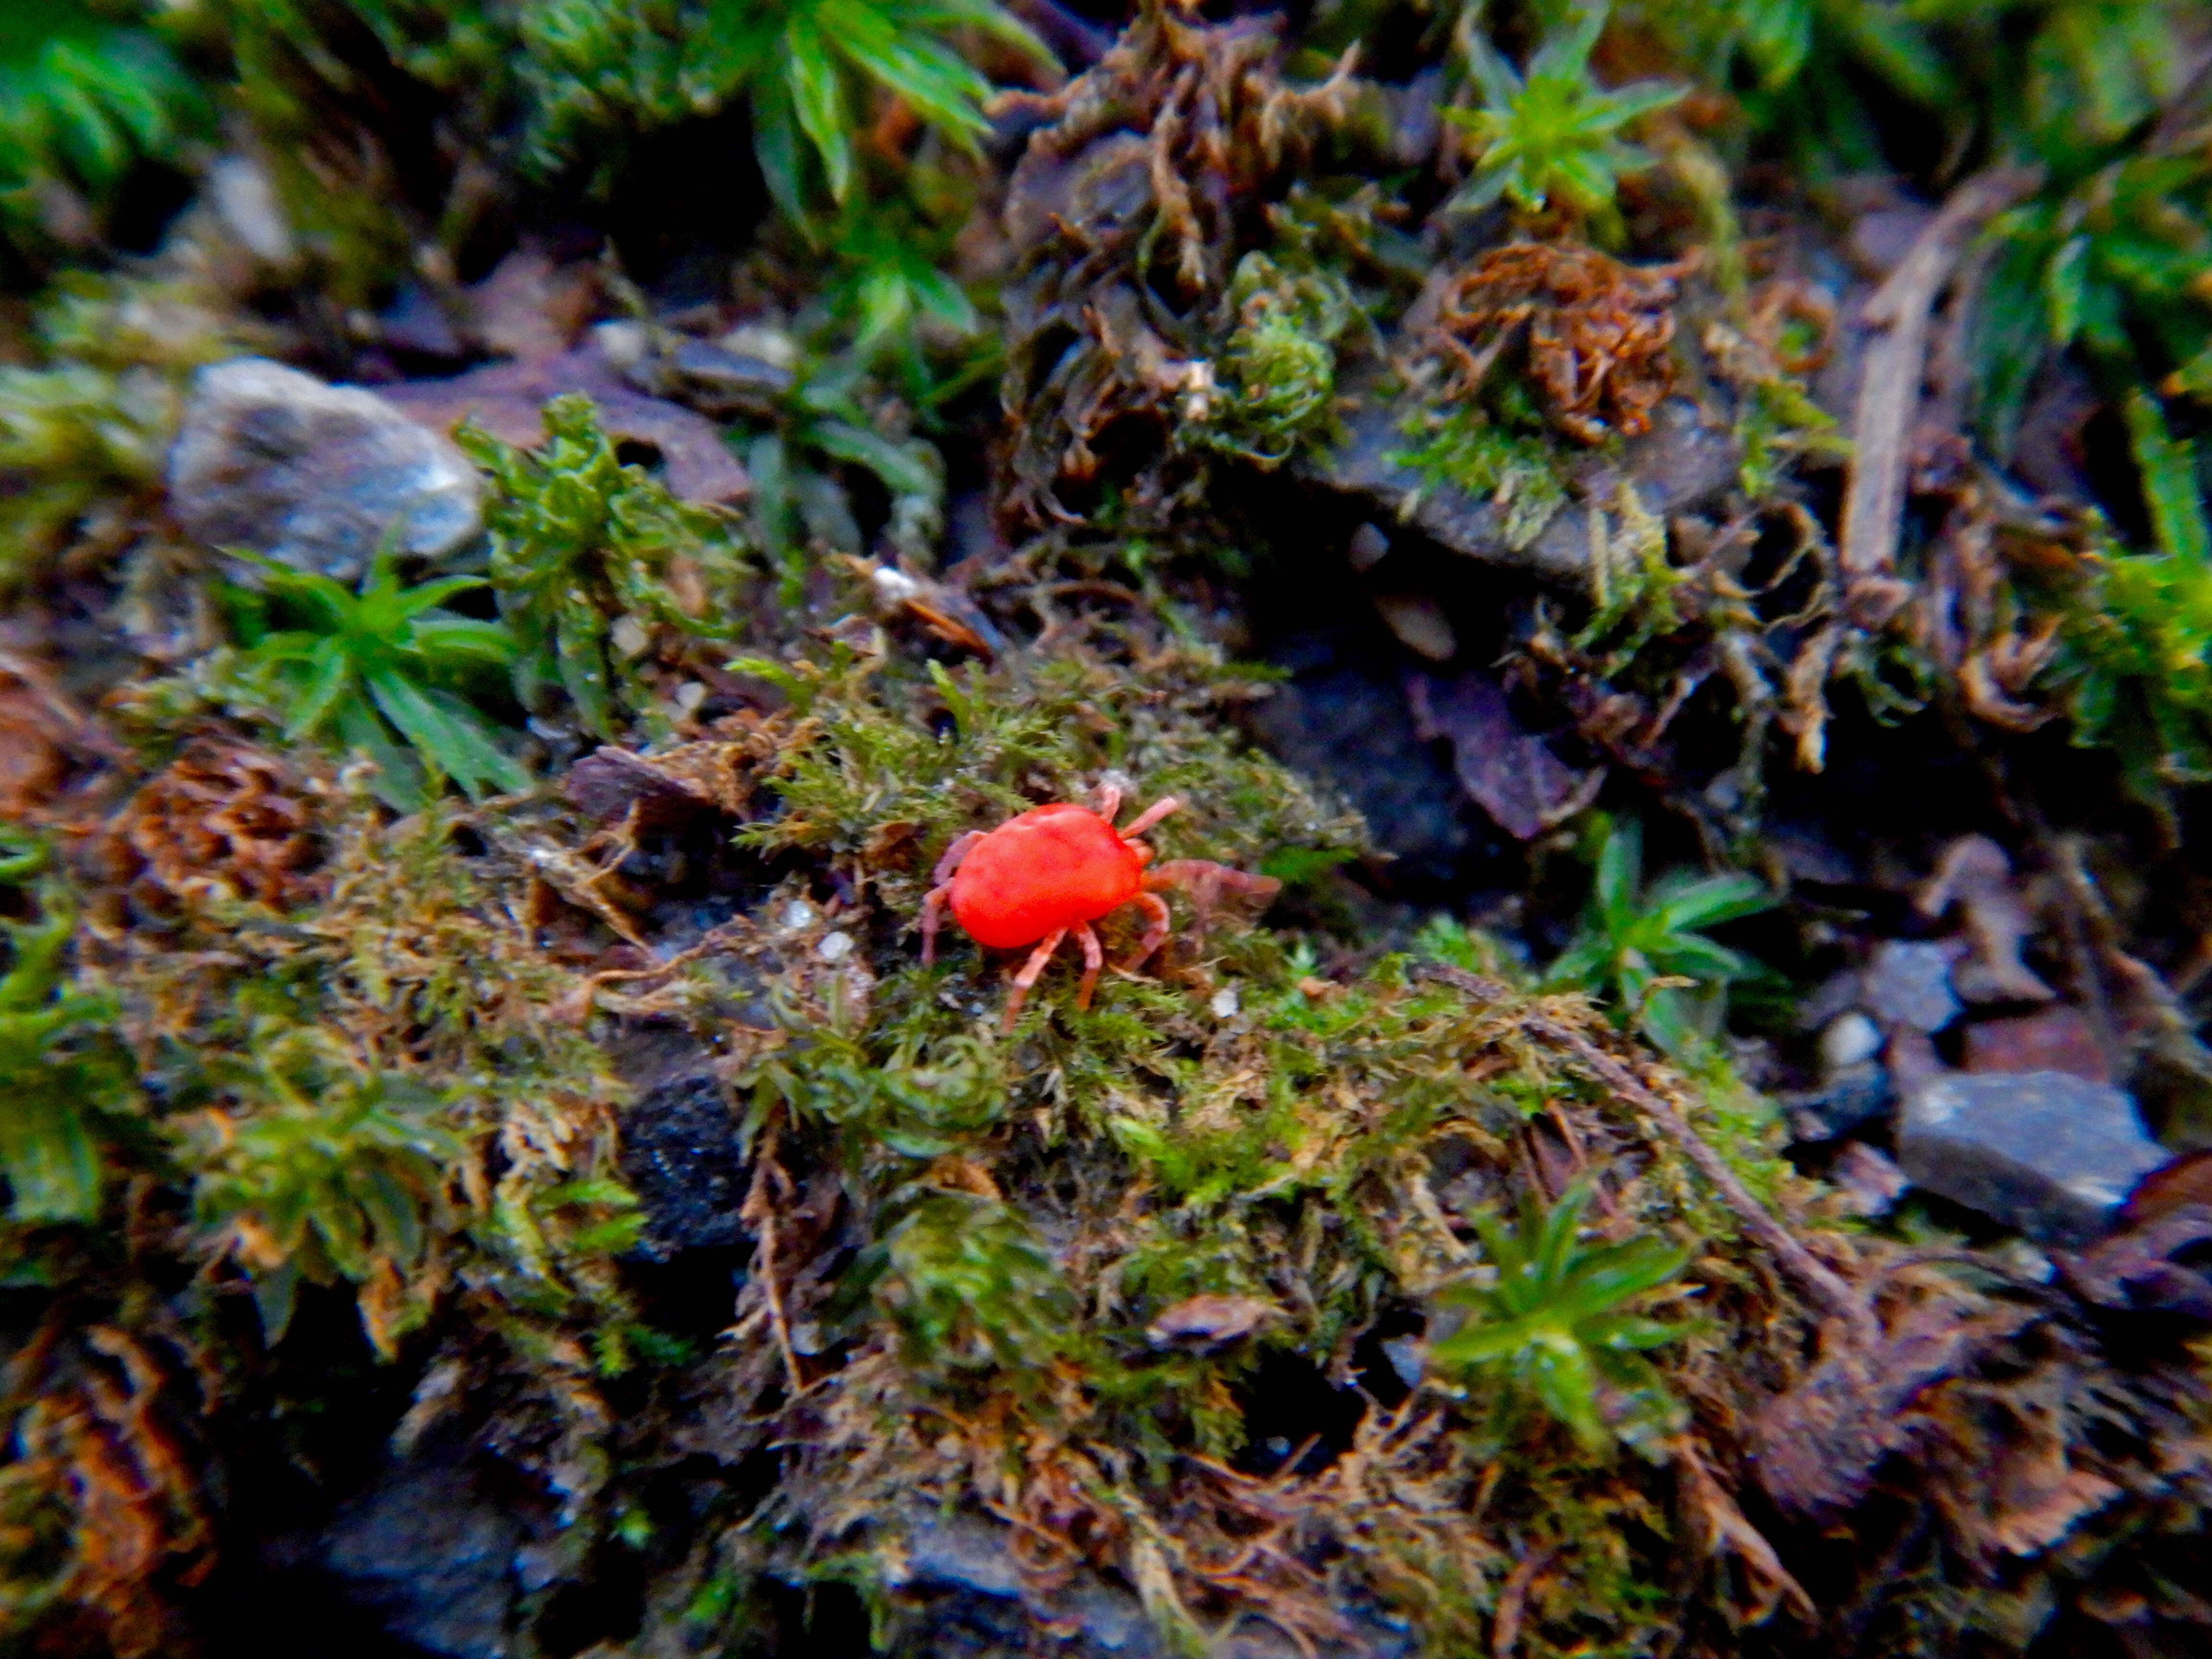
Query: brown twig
<point>758,1212</point>
<point>1896,360</point>
<point>1513,1601</point>
<point>1822,1283</point>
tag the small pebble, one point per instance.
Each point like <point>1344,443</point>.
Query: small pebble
<point>1224,1004</point>
<point>689,695</point>
<point>798,914</point>
<point>629,637</point>
<point>1409,1356</point>
<point>1908,984</point>
<point>834,947</point>
<point>1849,1039</point>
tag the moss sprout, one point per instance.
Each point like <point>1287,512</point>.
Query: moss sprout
<point>591,558</point>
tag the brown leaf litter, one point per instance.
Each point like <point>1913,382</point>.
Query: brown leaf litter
<point>223,820</point>
<point>1123,214</point>
<point>1596,335</point>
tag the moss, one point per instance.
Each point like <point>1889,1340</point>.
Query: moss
<point>1464,447</point>
<point>64,1083</point>
<point>1276,376</point>
<point>592,560</point>
<point>83,103</point>
<point>373,1089</point>
<point>85,429</point>
<point>1237,1129</point>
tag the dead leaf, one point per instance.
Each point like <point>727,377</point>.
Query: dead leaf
<point>609,783</point>
<point>1818,1445</point>
<point>1974,874</point>
<point>1762,1584</point>
<point>946,610</point>
<point>1509,770</point>
<point>1208,1321</point>
<point>2136,1270</point>
<point>532,308</point>
<point>44,736</point>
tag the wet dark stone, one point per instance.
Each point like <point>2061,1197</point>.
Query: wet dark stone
<point>430,1556</point>
<point>964,1598</point>
<point>681,1155</point>
<point>1849,1099</point>
<point>2048,1153</point>
<point>1679,464</point>
<point>1344,718</point>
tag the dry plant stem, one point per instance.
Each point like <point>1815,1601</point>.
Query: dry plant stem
<point>1820,1281</point>
<point>759,1213</point>
<point>1896,360</point>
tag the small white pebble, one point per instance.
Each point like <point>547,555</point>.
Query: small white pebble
<point>623,343</point>
<point>629,637</point>
<point>798,914</point>
<point>1848,1039</point>
<point>689,695</point>
<point>767,344</point>
<point>834,947</point>
<point>1224,1004</point>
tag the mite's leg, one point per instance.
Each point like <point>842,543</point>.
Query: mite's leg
<point>1156,931</point>
<point>1030,969</point>
<point>1150,816</point>
<point>956,854</point>
<point>929,908</point>
<point>1094,958</point>
<point>941,890</point>
<point>1109,801</point>
<point>1206,881</point>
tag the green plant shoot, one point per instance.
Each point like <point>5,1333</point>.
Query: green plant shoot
<point>578,541</point>
<point>55,1079</point>
<point>1551,135</point>
<point>1632,937</point>
<point>365,664</point>
<point>1555,1323</point>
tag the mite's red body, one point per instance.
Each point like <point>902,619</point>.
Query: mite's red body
<point>1054,869</point>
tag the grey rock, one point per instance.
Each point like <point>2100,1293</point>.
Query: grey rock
<point>431,1558</point>
<point>1680,463</point>
<point>2048,1153</point>
<point>245,199</point>
<point>1908,985</point>
<point>311,475</point>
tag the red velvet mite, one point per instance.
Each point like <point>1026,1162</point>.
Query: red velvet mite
<point>1053,870</point>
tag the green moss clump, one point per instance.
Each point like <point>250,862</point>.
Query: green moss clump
<point>1276,378</point>
<point>2136,634</point>
<point>1055,1215</point>
<point>85,431</point>
<point>59,1071</point>
<point>82,103</point>
<point>1516,470</point>
<point>591,559</point>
